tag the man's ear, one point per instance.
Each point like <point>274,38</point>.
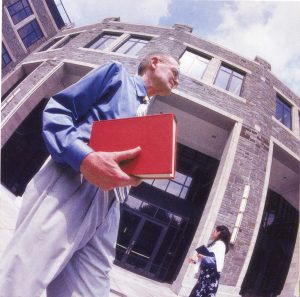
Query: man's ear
<point>153,62</point>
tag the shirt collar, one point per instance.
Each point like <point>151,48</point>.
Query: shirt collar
<point>140,87</point>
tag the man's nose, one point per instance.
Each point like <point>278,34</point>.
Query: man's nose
<point>176,81</point>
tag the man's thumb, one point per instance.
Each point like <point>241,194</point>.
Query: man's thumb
<point>127,155</point>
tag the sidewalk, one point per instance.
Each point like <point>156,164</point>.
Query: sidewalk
<point>123,283</point>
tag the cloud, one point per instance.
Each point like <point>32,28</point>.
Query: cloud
<point>267,29</point>
<point>131,11</point>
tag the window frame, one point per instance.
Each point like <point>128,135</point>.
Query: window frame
<point>5,53</point>
<point>99,37</point>
<point>131,36</point>
<point>232,70</point>
<point>24,9</point>
<point>39,36</point>
<point>198,54</point>
<point>166,185</point>
<point>285,106</point>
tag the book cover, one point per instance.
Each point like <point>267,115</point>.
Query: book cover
<point>155,134</point>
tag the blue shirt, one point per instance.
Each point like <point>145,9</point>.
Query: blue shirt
<point>107,92</point>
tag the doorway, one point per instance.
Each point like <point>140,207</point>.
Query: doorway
<point>139,241</point>
<point>274,248</point>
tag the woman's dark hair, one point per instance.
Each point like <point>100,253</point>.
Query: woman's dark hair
<point>224,235</point>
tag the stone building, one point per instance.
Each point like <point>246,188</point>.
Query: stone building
<point>26,25</point>
<point>238,154</point>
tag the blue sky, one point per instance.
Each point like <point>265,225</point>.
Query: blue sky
<point>267,29</point>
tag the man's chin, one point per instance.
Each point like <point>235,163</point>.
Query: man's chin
<point>166,93</point>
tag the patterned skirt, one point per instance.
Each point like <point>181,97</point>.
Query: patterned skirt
<point>207,284</point>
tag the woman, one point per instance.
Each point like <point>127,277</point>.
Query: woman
<point>211,260</point>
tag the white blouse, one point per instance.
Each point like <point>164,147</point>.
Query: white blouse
<point>219,249</point>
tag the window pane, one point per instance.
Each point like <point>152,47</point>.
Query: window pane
<point>283,112</point>
<point>132,46</point>
<point>188,181</point>
<point>163,215</point>
<point>193,65</point>
<point>30,33</point>
<point>6,59</point>
<point>66,40</point>
<point>279,110</point>
<point>183,192</point>
<point>51,43</point>
<point>222,79</point>
<point>161,183</point>
<point>235,85</point>
<point>149,209</point>
<point>174,188</point>
<point>148,181</point>
<point>287,117</point>
<point>180,178</point>
<point>103,42</point>
<point>229,80</point>
<point>19,11</point>
<point>133,202</point>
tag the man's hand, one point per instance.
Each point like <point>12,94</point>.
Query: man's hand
<point>102,169</point>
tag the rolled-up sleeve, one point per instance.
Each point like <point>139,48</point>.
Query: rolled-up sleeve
<point>66,111</point>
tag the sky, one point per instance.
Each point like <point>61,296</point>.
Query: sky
<point>268,29</point>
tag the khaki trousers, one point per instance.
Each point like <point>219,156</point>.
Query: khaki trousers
<point>65,238</point>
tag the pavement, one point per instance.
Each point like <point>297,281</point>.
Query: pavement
<point>123,282</point>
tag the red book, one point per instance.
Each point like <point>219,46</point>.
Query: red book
<point>155,134</point>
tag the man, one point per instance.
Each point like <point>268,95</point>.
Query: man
<point>67,227</point>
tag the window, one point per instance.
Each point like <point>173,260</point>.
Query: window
<point>102,42</point>
<point>66,40</point>
<point>177,187</point>
<point>283,112</point>
<point>6,59</point>
<point>55,43</point>
<point>50,44</point>
<point>132,46</point>
<point>30,33</point>
<point>19,11</point>
<point>193,65</point>
<point>229,80</point>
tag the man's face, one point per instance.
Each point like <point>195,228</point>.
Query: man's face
<point>166,76</point>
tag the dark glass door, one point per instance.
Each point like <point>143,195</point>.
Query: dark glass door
<point>138,241</point>
<point>274,248</point>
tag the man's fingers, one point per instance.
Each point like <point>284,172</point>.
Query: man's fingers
<point>127,155</point>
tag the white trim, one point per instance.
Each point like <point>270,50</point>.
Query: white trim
<point>285,148</point>
<point>283,126</point>
<point>130,33</point>
<point>241,68</point>
<point>20,66</point>
<point>258,217</point>
<point>7,100</point>
<point>24,22</point>
<point>285,98</point>
<point>37,19</point>
<point>14,29</point>
<point>118,42</point>
<point>21,102</point>
<point>50,15</point>
<point>208,105</point>
<point>76,62</point>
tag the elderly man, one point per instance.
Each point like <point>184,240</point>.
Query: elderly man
<point>67,227</point>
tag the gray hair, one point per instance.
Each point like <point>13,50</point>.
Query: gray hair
<point>147,59</point>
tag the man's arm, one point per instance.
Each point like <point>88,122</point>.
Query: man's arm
<point>63,114</point>
<point>67,109</point>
